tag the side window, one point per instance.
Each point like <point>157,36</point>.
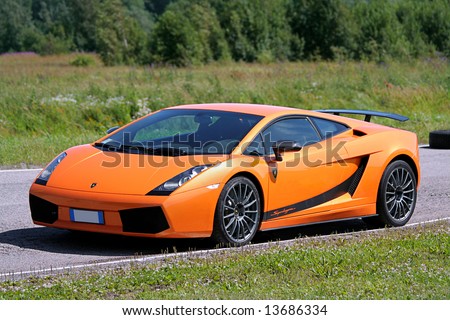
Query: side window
<point>299,130</point>
<point>328,128</point>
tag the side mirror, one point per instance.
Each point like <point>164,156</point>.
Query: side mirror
<point>112,129</point>
<point>282,146</point>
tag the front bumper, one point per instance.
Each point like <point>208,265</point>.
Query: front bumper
<point>180,215</point>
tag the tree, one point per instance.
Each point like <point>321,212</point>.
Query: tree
<point>53,20</point>
<point>157,7</point>
<point>137,10</point>
<point>15,24</point>
<point>119,38</point>
<point>322,25</point>
<point>381,34</point>
<point>188,33</point>
<point>184,32</point>
<point>255,28</point>
<point>434,19</point>
<point>83,30</point>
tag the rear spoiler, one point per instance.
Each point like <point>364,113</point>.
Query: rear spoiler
<point>367,113</point>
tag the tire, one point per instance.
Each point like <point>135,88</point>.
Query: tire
<point>238,213</point>
<point>439,139</point>
<point>397,195</point>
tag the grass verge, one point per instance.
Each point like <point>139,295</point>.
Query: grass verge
<point>47,104</point>
<point>407,263</point>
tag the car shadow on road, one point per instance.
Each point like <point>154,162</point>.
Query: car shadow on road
<point>83,243</point>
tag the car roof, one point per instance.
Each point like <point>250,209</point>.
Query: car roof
<point>275,111</point>
<point>256,109</point>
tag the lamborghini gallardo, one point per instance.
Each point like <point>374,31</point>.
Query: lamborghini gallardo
<point>227,171</point>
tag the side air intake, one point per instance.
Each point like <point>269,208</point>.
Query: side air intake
<point>357,176</point>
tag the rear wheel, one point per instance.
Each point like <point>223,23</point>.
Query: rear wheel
<point>397,195</point>
<point>238,213</point>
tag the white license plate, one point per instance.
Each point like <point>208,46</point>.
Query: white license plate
<point>87,216</point>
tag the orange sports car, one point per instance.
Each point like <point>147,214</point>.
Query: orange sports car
<point>227,171</point>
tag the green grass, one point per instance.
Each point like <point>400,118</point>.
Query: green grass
<point>47,104</point>
<point>412,263</point>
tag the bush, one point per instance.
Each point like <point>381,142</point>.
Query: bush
<point>82,61</point>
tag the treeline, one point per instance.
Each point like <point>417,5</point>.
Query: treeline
<point>186,32</point>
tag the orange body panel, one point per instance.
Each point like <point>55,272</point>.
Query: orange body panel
<point>291,190</point>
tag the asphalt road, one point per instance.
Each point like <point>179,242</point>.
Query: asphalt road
<point>25,247</point>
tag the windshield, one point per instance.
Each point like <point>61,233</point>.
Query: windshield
<point>177,132</point>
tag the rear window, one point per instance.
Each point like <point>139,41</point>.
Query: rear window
<point>328,128</point>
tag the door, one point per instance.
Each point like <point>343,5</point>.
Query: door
<point>303,181</point>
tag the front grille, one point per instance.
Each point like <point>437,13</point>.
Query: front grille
<point>144,220</point>
<point>43,210</point>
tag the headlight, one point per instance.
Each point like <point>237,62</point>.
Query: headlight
<point>172,184</point>
<point>47,172</point>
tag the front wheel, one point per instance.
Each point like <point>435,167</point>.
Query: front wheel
<point>238,213</point>
<point>397,194</point>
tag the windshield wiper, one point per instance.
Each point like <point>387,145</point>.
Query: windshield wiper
<point>111,145</point>
<point>170,151</point>
<point>117,146</point>
<point>137,148</point>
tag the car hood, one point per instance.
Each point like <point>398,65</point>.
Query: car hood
<point>87,168</point>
